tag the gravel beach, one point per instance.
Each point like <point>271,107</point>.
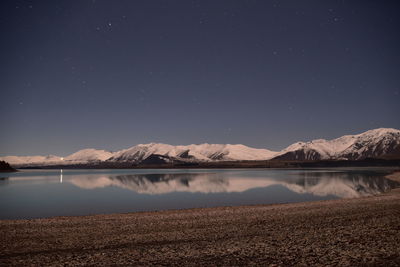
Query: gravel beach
<point>349,232</point>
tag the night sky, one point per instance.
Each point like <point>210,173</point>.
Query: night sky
<point>113,74</point>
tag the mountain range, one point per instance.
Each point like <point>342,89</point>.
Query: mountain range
<point>377,143</point>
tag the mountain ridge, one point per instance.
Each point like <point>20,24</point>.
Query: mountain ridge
<point>370,144</point>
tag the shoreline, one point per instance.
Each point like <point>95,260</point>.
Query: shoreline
<point>354,231</point>
<point>248,164</point>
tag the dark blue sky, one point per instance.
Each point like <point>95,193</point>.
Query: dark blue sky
<point>112,74</point>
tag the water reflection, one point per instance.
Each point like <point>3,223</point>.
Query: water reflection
<point>44,193</point>
<point>339,184</point>
<point>4,181</point>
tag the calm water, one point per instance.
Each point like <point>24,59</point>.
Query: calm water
<point>47,193</point>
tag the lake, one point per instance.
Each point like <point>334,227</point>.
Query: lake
<point>47,193</point>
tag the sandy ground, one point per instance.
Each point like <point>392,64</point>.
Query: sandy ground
<point>352,232</point>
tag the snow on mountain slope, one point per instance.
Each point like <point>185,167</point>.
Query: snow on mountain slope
<point>372,143</point>
<point>203,152</point>
<point>31,160</point>
<point>142,151</point>
<point>82,156</point>
<point>229,152</point>
<point>88,155</point>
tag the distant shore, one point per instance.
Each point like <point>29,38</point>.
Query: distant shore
<point>349,232</point>
<point>5,167</point>
<point>230,164</point>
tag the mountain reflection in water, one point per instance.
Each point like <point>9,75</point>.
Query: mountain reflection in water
<point>339,184</point>
<point>45,193</point>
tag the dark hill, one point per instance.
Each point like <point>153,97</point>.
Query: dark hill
<point>6,167</point>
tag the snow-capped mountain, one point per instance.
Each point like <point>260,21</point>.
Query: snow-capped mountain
<point>79,157</point>
<point>88,155</point>
<point>31,160</point>
<point>203,152</point>
<point>153,153</point>
<point>374,143</point>
<point>370,144</point>
<point>383,142</point>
